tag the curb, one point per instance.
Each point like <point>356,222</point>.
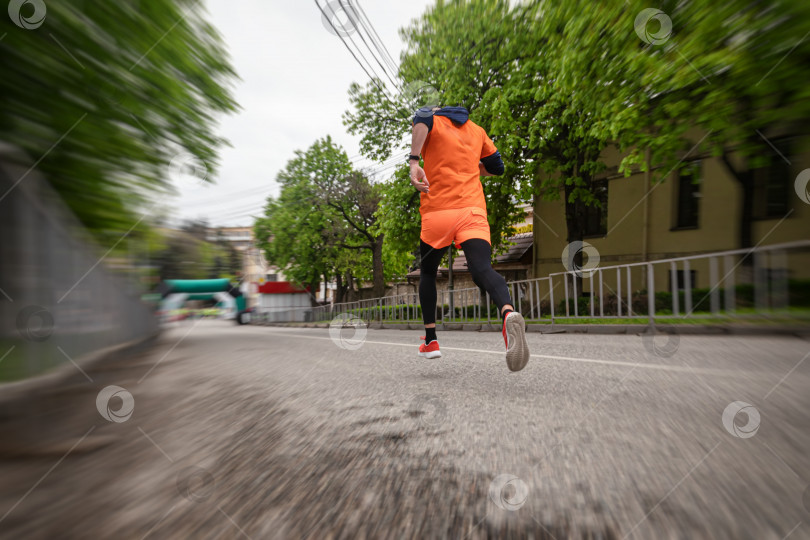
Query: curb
<point>802,332</point>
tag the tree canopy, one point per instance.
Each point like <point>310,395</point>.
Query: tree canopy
<point>323,224</point>
<point>557,84</point>
<point>104,95</point>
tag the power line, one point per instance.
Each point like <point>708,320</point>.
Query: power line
<point>349,12</point>
<point>362,66</point>
<point>376,79</point>
<point>235,195</point>
<point>388,164</point>
<point>372,167</point>
<point>265,191</point>
<point>241,211</point>
<point>386,55</point>
<point>251,208</point>
<point>235,217</point>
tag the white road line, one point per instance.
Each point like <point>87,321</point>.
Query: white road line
<point>660,367</point>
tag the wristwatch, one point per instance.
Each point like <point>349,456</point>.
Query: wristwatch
<point>412,157</point>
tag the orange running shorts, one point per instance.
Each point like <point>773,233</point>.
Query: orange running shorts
<point>440,228</point>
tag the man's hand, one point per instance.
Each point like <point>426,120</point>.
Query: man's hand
<point>418,178</point>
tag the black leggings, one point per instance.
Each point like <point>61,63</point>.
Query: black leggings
<point>478,253</point>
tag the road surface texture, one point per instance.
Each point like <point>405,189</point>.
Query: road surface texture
<point>260,432</point>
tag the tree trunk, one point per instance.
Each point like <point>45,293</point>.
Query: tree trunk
<point>349,287</point>
<point>314,286</point>
<point>339,290</point>
<point>575,229</point>
<point>377,267</point>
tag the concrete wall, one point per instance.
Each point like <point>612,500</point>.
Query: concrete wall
<point>58,301</point>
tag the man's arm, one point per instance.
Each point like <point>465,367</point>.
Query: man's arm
<point>420,133</point>
<point>491,165</point>
<point>483,171</point>
<point>418,178</point>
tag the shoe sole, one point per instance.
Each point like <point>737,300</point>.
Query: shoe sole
<point>431,354</point>
<point>517,355</point>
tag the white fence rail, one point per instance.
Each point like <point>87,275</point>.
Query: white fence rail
<point>736,283</point>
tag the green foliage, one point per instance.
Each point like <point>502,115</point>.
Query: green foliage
<point>104,94</point>
<point>380,120</point>
<point>557,84</point>
<point>294,235</point>
<point>185,255</point>
<point>399,220</point>
<point>463,51</point>
<point>323,224</point>
<point>413,312</point>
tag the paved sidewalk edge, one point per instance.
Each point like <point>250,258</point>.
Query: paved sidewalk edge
<point>802,331</point>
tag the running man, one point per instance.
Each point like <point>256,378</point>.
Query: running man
<point>456,153</point>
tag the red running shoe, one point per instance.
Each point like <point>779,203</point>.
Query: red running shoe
<point>514,337</point>
<point>430,350</point>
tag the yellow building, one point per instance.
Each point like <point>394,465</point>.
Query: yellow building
<point>696,210</point>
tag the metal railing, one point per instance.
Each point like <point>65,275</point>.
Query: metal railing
<point>740,283</point>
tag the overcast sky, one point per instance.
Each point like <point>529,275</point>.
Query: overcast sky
<point>295,77</point>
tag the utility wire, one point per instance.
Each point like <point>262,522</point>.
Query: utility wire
<point>374,79</point>
<point>338,32</point>
<point>385,54</point>
<point>354,18</point>
<point>360,20</point>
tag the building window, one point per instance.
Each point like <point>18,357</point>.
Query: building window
<point>272,277</point>
<point>688,211</point>
<point>596,215</point>
<point>772,184</point>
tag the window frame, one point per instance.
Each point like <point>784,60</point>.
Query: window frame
<point>601,211</point>
<point>697,195</point>
<point>762,188</point>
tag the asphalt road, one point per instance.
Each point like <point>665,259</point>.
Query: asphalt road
<point>260,432</point>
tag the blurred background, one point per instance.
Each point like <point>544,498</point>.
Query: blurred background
<point>164,163</point>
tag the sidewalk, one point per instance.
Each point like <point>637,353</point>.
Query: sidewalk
<point>798,330</point>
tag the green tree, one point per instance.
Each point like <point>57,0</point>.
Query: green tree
<point>324,222</point>
<point>184,255</point>
<point>398,219</point>
<point>294,236</point>
<point>737,71</point>
<point>461,52</point>
<point>355,200</point>
<point>548,122</point>
<point>351,198</point>
<point>104,95</point>
<point>559,83</point>
<point>730,70</point>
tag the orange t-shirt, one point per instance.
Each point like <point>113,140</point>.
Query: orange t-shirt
<point>451,155</point>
